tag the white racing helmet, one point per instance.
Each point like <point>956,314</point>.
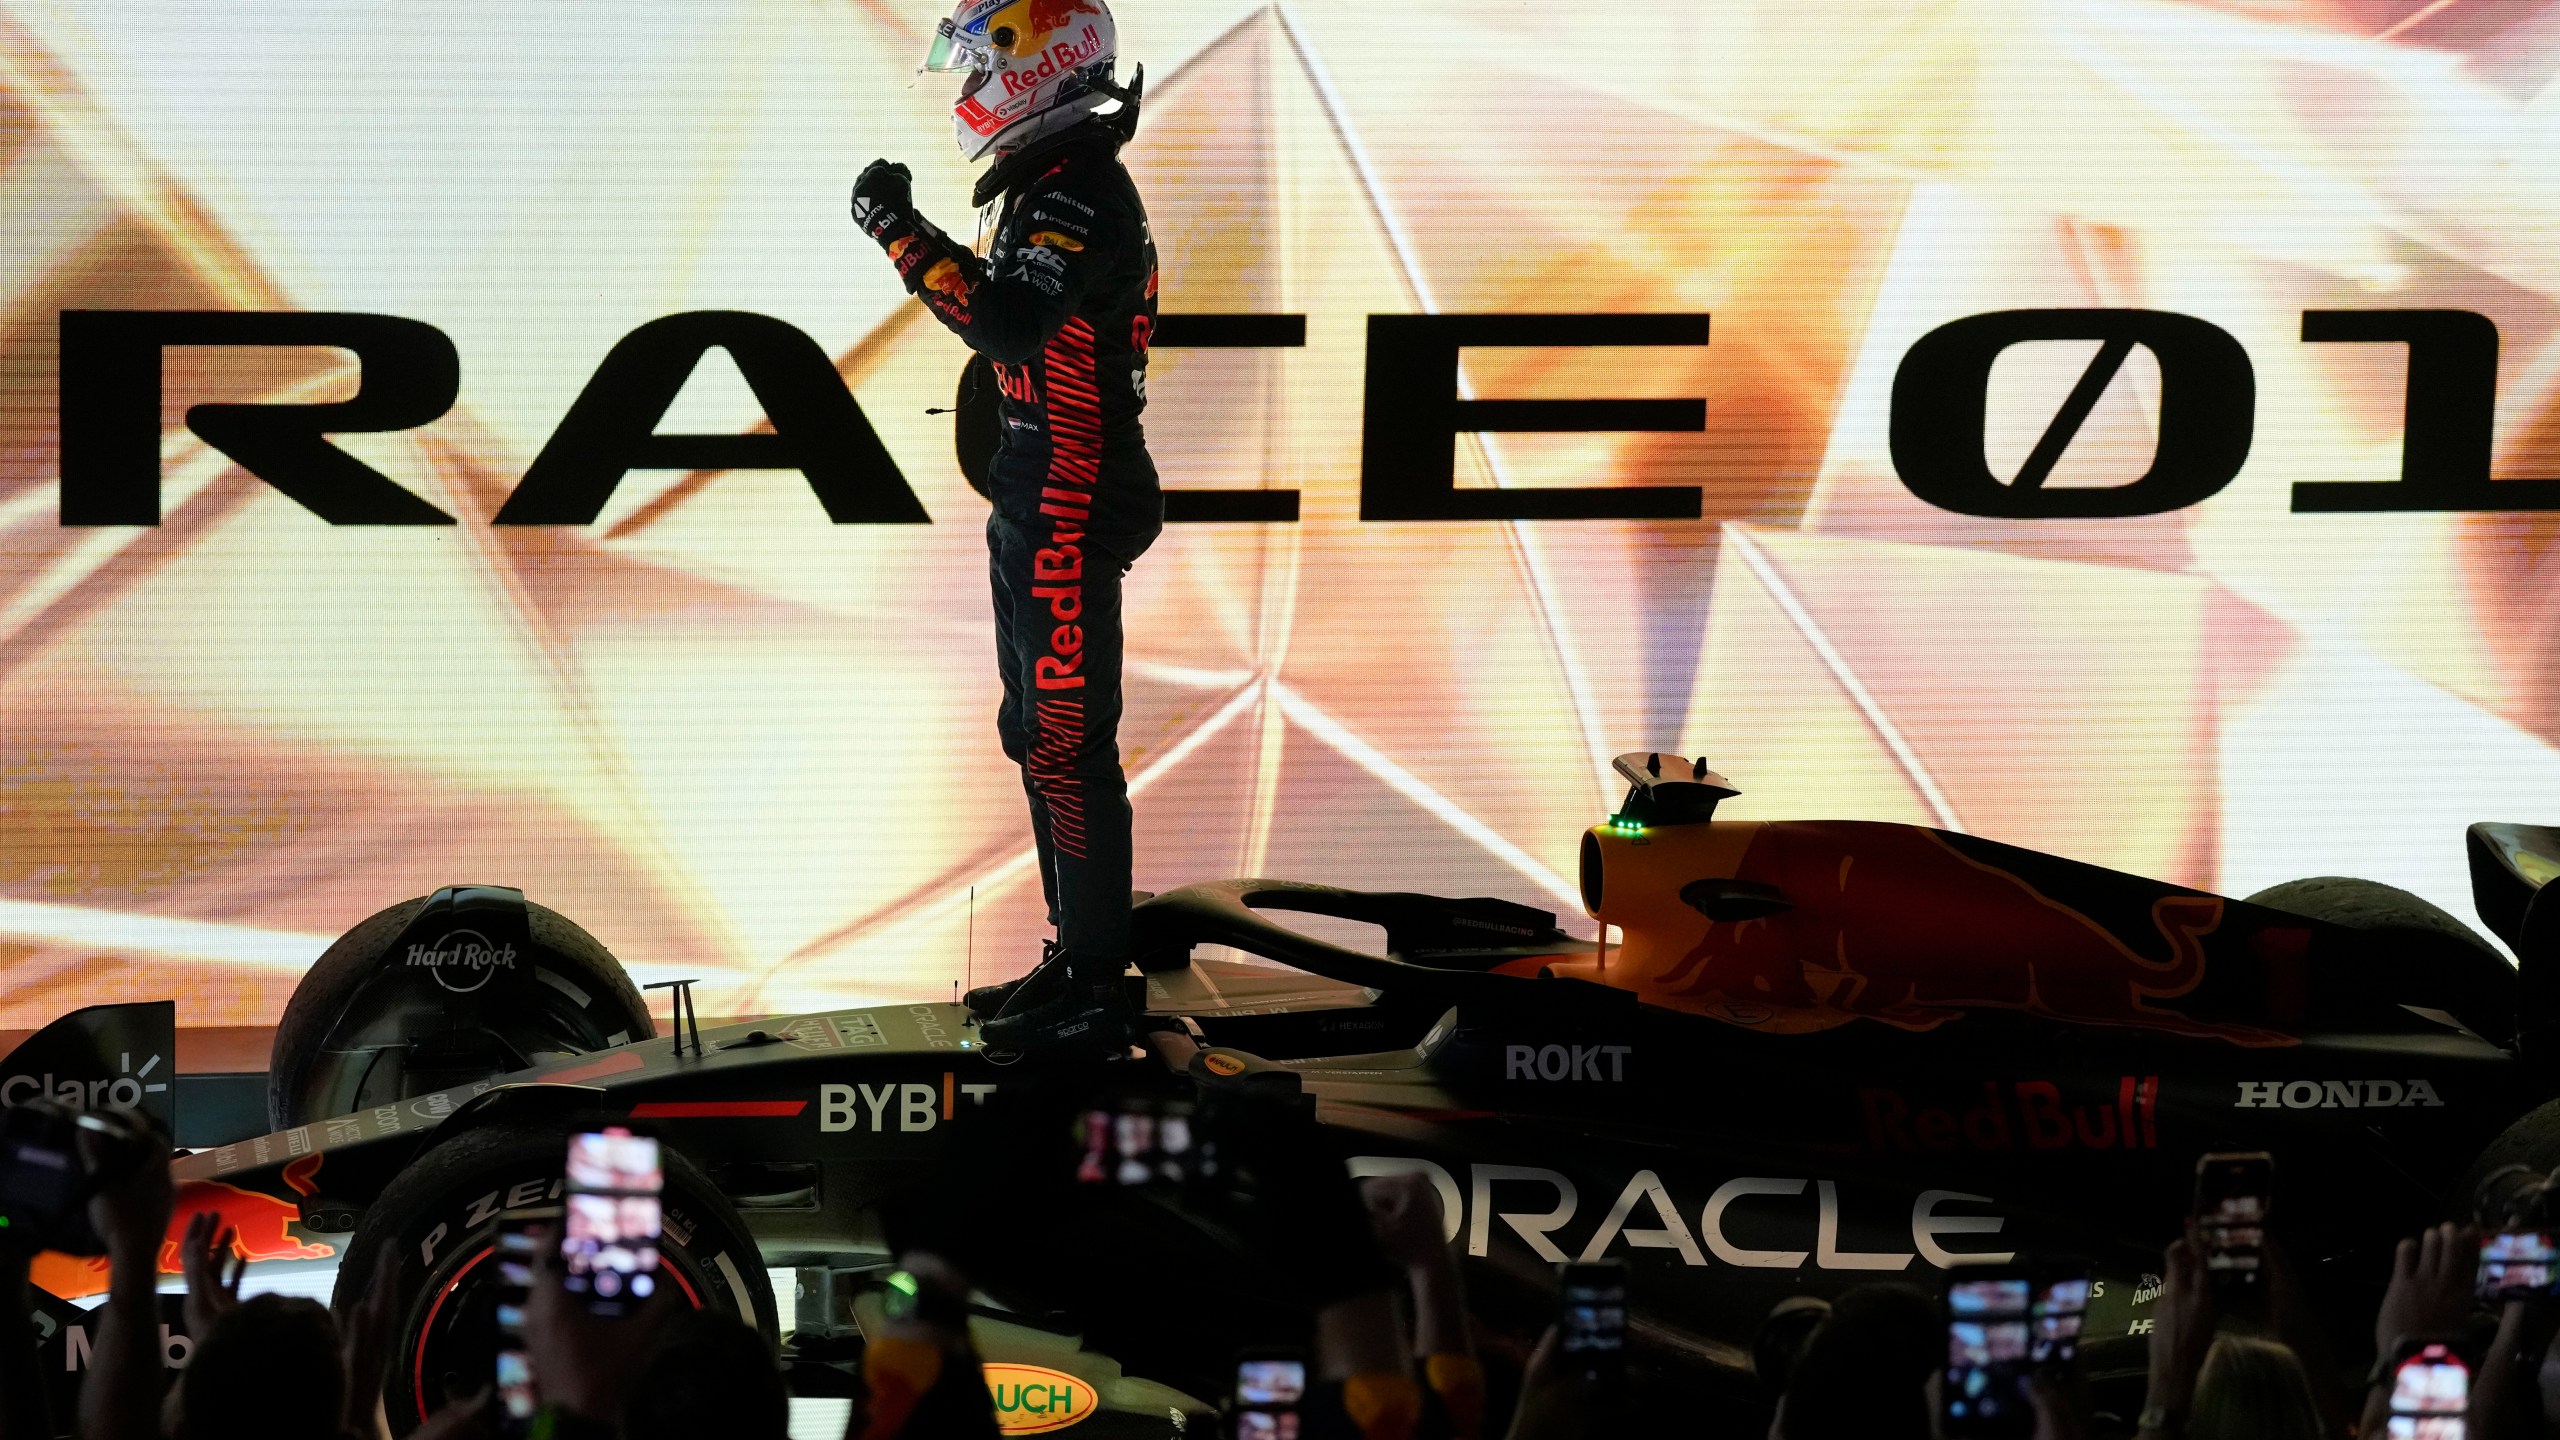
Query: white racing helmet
<point>1035,68</point>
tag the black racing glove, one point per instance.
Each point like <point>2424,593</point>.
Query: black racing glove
<point>883,198</point>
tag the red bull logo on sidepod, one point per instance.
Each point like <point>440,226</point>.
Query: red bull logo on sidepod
<point>261,1228</point>
<point>1893,923</point>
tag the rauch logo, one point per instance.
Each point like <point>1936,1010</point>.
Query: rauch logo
<point>1033,1400</point>
<point>463,960</point>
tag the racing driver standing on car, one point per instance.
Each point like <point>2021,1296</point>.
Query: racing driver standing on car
<point>1063,304</point>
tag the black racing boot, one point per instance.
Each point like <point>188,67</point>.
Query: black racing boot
<point>1091,1013</point>
<point>988,1001</point>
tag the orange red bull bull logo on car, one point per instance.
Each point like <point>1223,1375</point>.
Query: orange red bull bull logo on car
<point>260,1227</point>
<point>1891,923</point>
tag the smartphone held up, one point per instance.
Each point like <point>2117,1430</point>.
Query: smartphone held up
<point>1990,1344</point>
<point>2430,1390</point>
<point>519,1234</point>
<point>609,1233</point>
<point>2518,1265</point>
<point>2235,1193</point>
<point>1591,1317</point>
<point>1270,1387</point>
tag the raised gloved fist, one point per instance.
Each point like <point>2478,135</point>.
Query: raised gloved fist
<point>883,190</point>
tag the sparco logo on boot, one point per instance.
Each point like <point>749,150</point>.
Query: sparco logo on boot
<point>463,960</point>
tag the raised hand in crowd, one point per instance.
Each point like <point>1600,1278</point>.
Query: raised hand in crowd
<point>2293,1315</point>
<point>120,1399</point>
<point>710,1375</point>
<point>207,1256</point>
<point>1551,1397</point>
<point>1867,1372</point>
<point>25,1413</point>
<point>2057,1416</point>
<point>1412,1231</point>
<point>2430,1296</point>
<point>2507,1401</point>
<point>364,1347</point>
<point>2182,1329</point>
<point>921,1374</point>
<point>583,1363</point>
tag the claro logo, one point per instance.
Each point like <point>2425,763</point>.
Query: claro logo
<point>123,1092</point>
<point>463,960</point>
<point>1540,1207</point>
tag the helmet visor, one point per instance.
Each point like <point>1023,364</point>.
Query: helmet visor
<point>949,51</point>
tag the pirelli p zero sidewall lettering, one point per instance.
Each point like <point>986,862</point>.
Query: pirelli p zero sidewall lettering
<point>433,1227</point>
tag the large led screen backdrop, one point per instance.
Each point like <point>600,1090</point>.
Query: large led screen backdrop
<point>740,740</point>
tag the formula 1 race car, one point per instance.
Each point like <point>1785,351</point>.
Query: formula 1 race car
<point>1819,1054</point>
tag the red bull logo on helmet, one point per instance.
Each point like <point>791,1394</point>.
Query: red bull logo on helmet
<point>1050,16</point>
<point>1023,28</point>
<point>1056,60</point>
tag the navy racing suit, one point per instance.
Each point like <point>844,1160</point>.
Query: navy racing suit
<point>1063,305</point>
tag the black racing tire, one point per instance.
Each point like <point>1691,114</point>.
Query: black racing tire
<point>2533,1141</point>
<point>302,1071</point>
<point>433,1230</point>
<point>2460,972</point>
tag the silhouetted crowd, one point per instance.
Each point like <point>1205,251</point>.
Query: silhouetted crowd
<point>1392,1353</point>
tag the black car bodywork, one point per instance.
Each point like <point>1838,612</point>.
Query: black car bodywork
<point>1744,1094</point>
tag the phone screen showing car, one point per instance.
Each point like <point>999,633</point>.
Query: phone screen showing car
<point>1989,1342</point>
<point>2234,1194</point>
<point>2055,1313</point>
<point>2430,1388</point>
<point>609,1235</point>
<point>2517,1265</point>
<point>1143,1142</point>
<point>514,1258</point>
<point>1270,1386</point>
<point>1591,1316</point>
